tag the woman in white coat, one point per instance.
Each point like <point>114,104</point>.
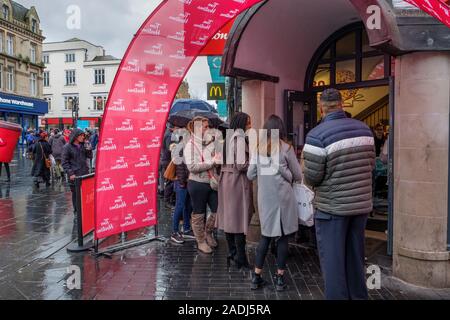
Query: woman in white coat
<point>276,168</point>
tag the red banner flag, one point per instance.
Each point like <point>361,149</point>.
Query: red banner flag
<point>440,9</point>
<point>134,122</point>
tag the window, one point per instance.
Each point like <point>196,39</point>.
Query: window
<point>49,101</point>
<point>99,102</point>
<point>5,12</point>
<point>346,59</point>
<point>46,59</point>
<point>46,78</point>
<point>70,78</point>
<point>99,76</point>
<point>10,79</point>
<point>1,41</point>
<point>33,53</point>
<point>33,84</point>
<point>34,25</point>
<point>70,57</point>
<point>68,102</point>
<point>10,44</point>
<point>1,77</point>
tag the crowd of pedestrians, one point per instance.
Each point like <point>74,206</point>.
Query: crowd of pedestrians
<point>216,190</point>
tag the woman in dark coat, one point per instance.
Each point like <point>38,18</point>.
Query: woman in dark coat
<point>41,151</point>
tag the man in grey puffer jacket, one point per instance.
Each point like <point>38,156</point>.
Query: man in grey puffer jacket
<point>338,159</point>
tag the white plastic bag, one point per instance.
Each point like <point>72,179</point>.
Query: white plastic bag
<point>305,197</point>
<point>52,159</point>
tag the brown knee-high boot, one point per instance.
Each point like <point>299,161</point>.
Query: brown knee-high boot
<point>210,224</point>
<point>198,227</point>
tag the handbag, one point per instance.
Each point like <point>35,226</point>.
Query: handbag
<point>171,172</point>
<point>48,162</point>
<point>304,197</point>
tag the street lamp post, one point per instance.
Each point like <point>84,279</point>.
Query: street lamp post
<point>75,111</point>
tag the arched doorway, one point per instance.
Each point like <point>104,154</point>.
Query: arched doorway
<point>346,61</point>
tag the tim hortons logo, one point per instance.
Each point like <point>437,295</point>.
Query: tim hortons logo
<point>133,144</point>
<point>179,36</point>
<point>129,221</point>
<point>181,18</point>
<point>105,226</point>
<point>130,182</point>
<point>180,55</point>
<point>240,1</point>
<point>155,143</point>
<point>132,66</point>
<point>117,105</point>
<point>139,87</point>
<point>205,25</point>
<point>143,162</point>
<point>120,164</point>
<point>142,108</point>
<point>151,179</point>
<point>164,108</point>
<point>188,2</point>
<point>162,90</point>
<point>201,41</point>
<point>153,29</point>
<point>141,199</point>
<point>149,216</point>
<point>158,71</point>
<point>179,73</point>
<point>156,50</point>
<point>149,126</point>
<point>118,204</point>
<point>231,14</point>
<point>108,145</point>
<point>126,126</point>
<point>210,8</point>
<point>106,185</point>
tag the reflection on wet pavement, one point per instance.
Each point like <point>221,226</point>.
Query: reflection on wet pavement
<point>36,225</point>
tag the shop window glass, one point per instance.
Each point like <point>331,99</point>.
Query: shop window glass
<point>346,46</point>
<point>345,71</point>
<point>373,68</point>
<point>322,77</point>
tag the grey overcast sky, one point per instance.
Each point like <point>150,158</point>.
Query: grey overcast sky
<point>109,23</point>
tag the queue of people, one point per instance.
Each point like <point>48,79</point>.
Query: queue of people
<point>337,162</point>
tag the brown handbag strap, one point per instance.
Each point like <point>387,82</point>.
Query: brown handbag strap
<point>43,153</point>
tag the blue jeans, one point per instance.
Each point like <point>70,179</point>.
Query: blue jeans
<point>183,208</point>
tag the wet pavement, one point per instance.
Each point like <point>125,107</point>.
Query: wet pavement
<point>36,226</point>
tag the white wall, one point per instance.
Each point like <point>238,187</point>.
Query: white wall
<point>283,36</point>
<point>85,87</point>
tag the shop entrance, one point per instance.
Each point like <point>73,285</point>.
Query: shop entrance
<point>346,62</point>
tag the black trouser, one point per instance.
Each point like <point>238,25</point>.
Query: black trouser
<point>8,173</point>
<point>282,251</point>
<point>236,248</point>
<point>340,240</point>
<point>74,198</point>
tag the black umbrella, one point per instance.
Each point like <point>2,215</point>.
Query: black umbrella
<point>182,118</point>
